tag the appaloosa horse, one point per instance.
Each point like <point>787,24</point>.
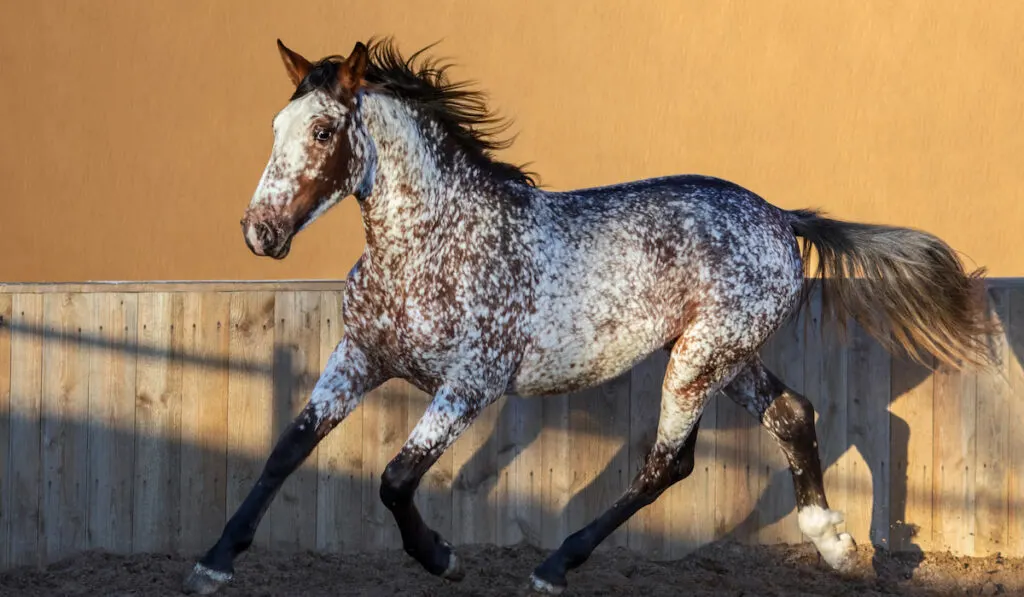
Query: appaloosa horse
<point>476,283</point>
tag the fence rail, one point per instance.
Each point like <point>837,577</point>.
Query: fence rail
<point>135,417</point>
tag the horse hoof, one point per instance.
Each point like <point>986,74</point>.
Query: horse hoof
<point>539,585</point>
<point>454,572</point>
<point>204,581</point>
<point>843,555</point>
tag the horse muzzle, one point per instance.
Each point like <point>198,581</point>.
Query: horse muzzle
<point>266,239</point>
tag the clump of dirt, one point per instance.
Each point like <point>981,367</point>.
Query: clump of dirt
<point>718,569</point>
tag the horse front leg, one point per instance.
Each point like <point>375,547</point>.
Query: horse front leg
<point>450,413</point>
<point>341,387</point>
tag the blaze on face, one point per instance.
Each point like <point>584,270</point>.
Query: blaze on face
<point>322,152</point>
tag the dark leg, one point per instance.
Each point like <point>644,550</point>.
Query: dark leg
<point>789,417</point>
<point>339,390</point>
<point>448,415</point>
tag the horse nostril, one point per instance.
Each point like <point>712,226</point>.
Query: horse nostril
<point>265,235</point>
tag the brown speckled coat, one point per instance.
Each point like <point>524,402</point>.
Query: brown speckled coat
<point>476,283</point>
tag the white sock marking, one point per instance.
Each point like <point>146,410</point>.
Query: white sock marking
<point>818,524</point>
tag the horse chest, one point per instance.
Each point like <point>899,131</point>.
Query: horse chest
<point>432,330</point>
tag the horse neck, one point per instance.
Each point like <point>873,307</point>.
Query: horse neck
<point>416,190</point>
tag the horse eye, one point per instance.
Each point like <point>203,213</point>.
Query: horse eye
<point>322,135</point>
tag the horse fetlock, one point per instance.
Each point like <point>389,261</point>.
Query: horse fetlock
<point>454,571</point>
<point>202,580</point>
<point>437,557</point>
<point>545,587</point>
<point>549,577</point>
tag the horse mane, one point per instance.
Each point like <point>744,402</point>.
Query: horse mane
<point>460,110</point>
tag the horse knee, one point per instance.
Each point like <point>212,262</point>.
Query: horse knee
<point>664,469</point>
<point>396,485</point>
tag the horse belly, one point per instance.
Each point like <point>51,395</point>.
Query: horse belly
<point>575,361</point>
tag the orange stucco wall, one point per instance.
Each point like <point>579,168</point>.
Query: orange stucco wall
<point>133,133</point>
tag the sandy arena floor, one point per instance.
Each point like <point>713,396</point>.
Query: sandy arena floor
<point>718,570</point>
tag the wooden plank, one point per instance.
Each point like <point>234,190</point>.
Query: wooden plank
<point>112,421</point>
<point>434,496</point>
<point>825,385</point>
<point>599,453</point>
<point>783,355</point>
<point>557,477</point>
<point>250,397</point>
<point>736,479</point>
<point>475,465</point>
<point>521,514</point>
<point>954,490</point>
<point>340,455</point>
<point>580,467</point>
<point>385,429</point>
<point>647,528</point>
<point>26,440</point>
<point>296,369</point>
<point>612,436</point>
<point>911,456</point>
<point>507,530</point>
<point>204,418</point>
<point>157,488</point>
<point>867,513</point>
<point>65,424</point>
<point>867,430</point>
<point>691,502</point>
<point>1015,339</point>
<point>992,448</point>
<point>6,416</point>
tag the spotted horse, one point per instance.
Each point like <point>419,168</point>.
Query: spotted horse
<point>476,283</point>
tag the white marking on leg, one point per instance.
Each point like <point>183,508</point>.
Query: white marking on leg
<point>542,586</point>
<point>454,569</point>
<point>819,524</point>
<point>212,574</point>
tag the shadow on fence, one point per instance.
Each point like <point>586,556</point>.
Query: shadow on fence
<point>72,483</point>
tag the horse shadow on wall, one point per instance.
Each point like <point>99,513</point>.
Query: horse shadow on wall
<point>860,418</point>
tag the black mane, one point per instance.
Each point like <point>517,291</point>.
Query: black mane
<point>460,110</point>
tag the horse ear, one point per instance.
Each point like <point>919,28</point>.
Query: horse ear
<point>297,66</point>
<point>352,71</point>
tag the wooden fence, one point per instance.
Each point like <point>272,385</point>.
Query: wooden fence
<point>136,417</point>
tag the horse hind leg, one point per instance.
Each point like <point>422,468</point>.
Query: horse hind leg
<point>789,418</point>
<point>695,373</point>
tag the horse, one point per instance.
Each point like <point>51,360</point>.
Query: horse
<point>475,282</point>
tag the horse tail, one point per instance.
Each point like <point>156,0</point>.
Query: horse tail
<point>905,287</point>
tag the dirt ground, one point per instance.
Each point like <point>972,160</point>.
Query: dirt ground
<point>715,570</point>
